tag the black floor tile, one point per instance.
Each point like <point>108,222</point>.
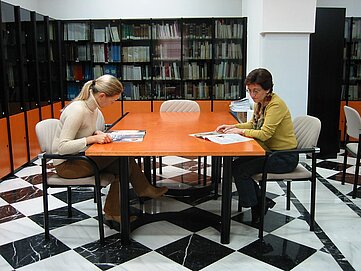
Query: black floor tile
<point>111,253</point>
<point>278,252</point>
<point>30,250</point>
<point>194,252</point>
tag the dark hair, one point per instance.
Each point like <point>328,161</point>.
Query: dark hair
<point>261,77</point>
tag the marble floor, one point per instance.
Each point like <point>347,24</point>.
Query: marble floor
<point>185,240</point>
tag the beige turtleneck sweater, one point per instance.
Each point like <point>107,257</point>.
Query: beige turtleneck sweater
<point>77,122</point>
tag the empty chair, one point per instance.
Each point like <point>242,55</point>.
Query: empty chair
<point>353,129</point>
<point>183,106</point>
<point>45,131</point>
<point>307,131</point>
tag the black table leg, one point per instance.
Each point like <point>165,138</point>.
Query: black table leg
<point>226,200</point>
<point>124,199</point>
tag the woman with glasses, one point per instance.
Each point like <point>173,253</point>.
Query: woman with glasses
<point>272,124</point>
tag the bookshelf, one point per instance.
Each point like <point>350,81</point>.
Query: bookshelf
<point>159,59</point>
<point>136,59</point>
<point>77,55</point>
<point>229,62</point>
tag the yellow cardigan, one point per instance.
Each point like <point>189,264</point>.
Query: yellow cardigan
<point>277,131</point>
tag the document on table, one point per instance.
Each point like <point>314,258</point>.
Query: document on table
<point>221,138</point>
<point>127,135</point>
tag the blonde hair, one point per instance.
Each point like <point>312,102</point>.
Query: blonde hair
<point>108,84</point>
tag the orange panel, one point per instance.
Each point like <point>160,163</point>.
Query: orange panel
<point>18,140</point>
<point>46,112</point>
<point>112,113</point>
<point>33,119</point>
<point>137,106</point>
<point>57,110</point>
<point>5,165</point>
<point>156,105</point>
<point>221,106</point>
<point>205,105</point>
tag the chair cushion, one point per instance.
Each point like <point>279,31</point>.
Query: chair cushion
<point>352,147</point>
<point>300,172</point>
<point>56,180</point>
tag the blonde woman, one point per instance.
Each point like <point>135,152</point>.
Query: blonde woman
<point>77,130</point>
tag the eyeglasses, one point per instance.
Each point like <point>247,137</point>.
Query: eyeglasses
<point>254,92</point>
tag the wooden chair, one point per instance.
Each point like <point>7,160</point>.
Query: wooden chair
<point>307,130</point>
<point>45,131</point>
<point>353,129</point>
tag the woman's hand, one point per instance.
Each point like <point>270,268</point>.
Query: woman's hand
<point>99,137</point>
<point>224,128</point>
<point>235,131</point>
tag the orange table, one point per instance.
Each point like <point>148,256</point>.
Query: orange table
<point>167,133</point>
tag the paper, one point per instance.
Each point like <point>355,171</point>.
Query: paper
<point>221,138</point>
<point>127,135</point>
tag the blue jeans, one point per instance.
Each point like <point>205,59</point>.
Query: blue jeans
<point>244,167</point>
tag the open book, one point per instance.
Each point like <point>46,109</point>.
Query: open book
<point>221,138</point>
<point>127,135</point>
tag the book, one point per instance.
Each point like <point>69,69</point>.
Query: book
<point>221,138</point>
<point>127,135</point>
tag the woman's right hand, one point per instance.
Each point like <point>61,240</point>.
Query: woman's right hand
<point>100,138</point>
<point>224,127</point>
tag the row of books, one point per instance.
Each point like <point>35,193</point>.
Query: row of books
<point>167,50</point>
<point>356,29</point>
<point>76,31</point>
<point>195,71</point>
<point>136,54</point>
<point>106,53</point>
<point>107,34</point>
<point>136,91</point>
<point>226,91</point>
<point>356,50</point>
<point>197,31</point>
<point>72,91</point>
<point>141,31</point>
<point>166,71</point>
<point>163,91</point>
<point>354,92</point>
<point>166,31</point>
<point>227,50</point>
<point>196,91</point>
<point>78,71</point>
<point>198,50</point>
<point>228,30</point>
<point>227,70</point>
<point>99,70</point>
<point>131,72</point>
<point>79,52</point>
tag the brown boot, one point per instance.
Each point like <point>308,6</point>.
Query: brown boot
<point>141,185</point>
<point>153,192</point>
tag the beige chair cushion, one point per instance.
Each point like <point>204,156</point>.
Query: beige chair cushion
<point>352,147</point>
<point>300,172</point>
<point>55,180</point>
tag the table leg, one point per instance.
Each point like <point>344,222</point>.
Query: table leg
<point>226,200</point>
<point>124,199</point>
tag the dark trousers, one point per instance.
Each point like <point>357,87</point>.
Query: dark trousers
<point>244,167</point>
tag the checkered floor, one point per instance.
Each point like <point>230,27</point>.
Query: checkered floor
<point>185,241</point>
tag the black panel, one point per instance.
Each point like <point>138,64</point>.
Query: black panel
<point>325,76</point>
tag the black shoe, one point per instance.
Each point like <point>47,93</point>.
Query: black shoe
<point>256,210</point>
<point>269,205</point>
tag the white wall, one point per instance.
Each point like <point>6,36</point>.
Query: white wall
<point>115,9</point>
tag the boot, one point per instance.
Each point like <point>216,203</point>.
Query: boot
<point>141,185</point>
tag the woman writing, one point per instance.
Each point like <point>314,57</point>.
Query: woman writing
<point>77,130</point>
<point>272,124</point>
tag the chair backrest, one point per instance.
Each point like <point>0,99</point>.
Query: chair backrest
<point>45,131</point>
<point>353,121</point>
<point>307,131</point>
<point>180,106</point>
